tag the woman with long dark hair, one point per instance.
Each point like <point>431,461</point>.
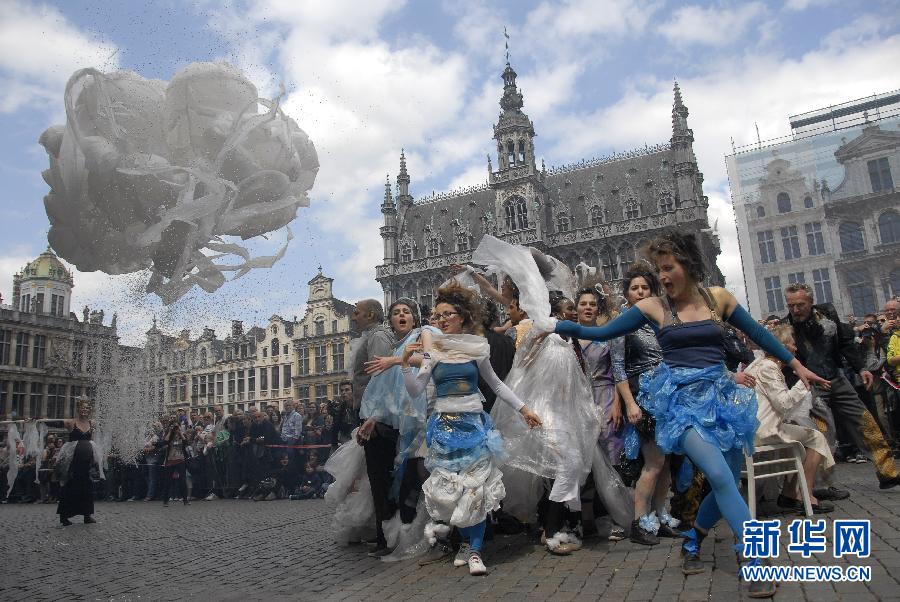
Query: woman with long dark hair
<point>174,465</point>
<point>634,354</point>
<point>74,467</point>
<point>698,408</point>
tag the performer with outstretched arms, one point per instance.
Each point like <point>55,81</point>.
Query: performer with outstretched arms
<point>698,408</point>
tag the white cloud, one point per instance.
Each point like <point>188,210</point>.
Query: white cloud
<point>39,50</point>
<point>800,5</point>
<point>710,25</point>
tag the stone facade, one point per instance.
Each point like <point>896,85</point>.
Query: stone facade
<point>286,359</point>
<point>795,225</point>
<point>599,212</point>
<point>48,357</point>
<point>863,215</point>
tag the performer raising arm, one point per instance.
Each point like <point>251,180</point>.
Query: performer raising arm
<point>699,410</point>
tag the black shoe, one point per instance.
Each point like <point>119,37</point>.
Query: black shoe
<point>438,552</point>
<point>691,564</point>
<point>90,520</point>
<point>789,503</point>
<point>640,536</point>
<point>690,551</point>
<point>166,504</point>
<point>761,589</point>
<point>379,552</point>
<point>667,531</point>
<point>823,507</point>
<point>65,522</point>
<point>831,493</point>
<point>888,483</point>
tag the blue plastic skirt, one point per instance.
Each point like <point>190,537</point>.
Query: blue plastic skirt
<point>705,399</point>
<point>455,441</point>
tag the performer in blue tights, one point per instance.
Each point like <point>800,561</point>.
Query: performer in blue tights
<point>699,410</point>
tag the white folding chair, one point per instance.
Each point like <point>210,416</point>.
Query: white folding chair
<point>796,458</point>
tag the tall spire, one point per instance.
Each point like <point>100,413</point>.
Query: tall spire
<point>679,113</point>
<point>402,178</point>
<point>388,200</point>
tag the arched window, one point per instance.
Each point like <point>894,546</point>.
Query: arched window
<point>516,214</point>
<point>596,215</point>
<point>521,151</point>
<point>320,325</point>
<point>784,202</point>
<point>626,257</point>
<point>562,223</point>
<point>511,152</point>
<point>406,252</point>
<point>632,209</point>
<point>608,259</point>
<point>889,227</point>
<point>851,237</point>
<point>275,348</point>
<point>760,211</point>
<point>862,293</point>
<point>462,241</point>
<point>807,202</point>
<point>666,203</point>
<point>895,282</point>
<point>203,357</point>
<point>434,247</point>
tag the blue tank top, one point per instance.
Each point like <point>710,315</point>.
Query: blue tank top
<point>692,344</point>
<point>455,379</point>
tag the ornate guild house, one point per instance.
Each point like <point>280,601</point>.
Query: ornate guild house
<point>599,212</point>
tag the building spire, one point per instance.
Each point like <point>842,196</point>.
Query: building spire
<point>388,199</point>
<point>402,178</point>
<point>679,113</point>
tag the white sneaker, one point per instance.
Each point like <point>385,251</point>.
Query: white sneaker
<point>211,497</point>
<point>476,566</point>
<point>462,556</point>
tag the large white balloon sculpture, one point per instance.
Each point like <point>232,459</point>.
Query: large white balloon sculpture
<point>150,175</point>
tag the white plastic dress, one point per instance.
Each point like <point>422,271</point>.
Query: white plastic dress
<point>350,495</point>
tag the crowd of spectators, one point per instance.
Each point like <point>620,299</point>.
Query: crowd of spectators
<point>260,454</point>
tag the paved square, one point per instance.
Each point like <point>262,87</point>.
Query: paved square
<point>242,550</point>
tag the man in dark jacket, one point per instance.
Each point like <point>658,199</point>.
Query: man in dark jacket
<point>822,343</point>
<point>503,350</point>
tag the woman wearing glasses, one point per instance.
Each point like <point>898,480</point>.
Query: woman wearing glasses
<point>463,447</point>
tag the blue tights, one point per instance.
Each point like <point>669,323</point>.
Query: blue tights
<point>474,535</point>
<point>722,470</point>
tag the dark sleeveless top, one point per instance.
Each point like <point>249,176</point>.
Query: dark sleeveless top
<point>79,435</point>
<point>697,344</point>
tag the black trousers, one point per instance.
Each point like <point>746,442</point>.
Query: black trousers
<point>168,475</point>
<point>380,450</point>
<point>414,475</point>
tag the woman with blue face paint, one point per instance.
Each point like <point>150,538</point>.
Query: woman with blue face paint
<point>699,410</point>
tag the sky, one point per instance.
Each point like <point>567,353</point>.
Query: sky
<point>367,79</point>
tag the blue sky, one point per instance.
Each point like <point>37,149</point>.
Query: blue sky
<point>365,79</point>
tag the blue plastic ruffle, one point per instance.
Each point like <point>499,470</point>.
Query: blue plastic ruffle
<point>457,440</point>
<point>705,399</point>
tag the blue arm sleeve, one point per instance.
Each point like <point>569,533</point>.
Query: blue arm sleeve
<point>759,335</point>
<point>628,321</point>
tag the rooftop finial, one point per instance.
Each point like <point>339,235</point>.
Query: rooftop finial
<point>506,43</point>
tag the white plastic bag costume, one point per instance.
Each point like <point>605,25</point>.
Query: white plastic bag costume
<point>547,374</point>
<point>350,495</point>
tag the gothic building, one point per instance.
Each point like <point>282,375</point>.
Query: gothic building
<point>599,212</point>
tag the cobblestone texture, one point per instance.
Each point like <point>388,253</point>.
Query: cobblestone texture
<point>241,550</point>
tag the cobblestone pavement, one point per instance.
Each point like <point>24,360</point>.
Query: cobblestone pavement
<point>241,550</point>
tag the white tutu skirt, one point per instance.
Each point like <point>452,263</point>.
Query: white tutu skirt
<point>546,375</point>
<point>350,495</point>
